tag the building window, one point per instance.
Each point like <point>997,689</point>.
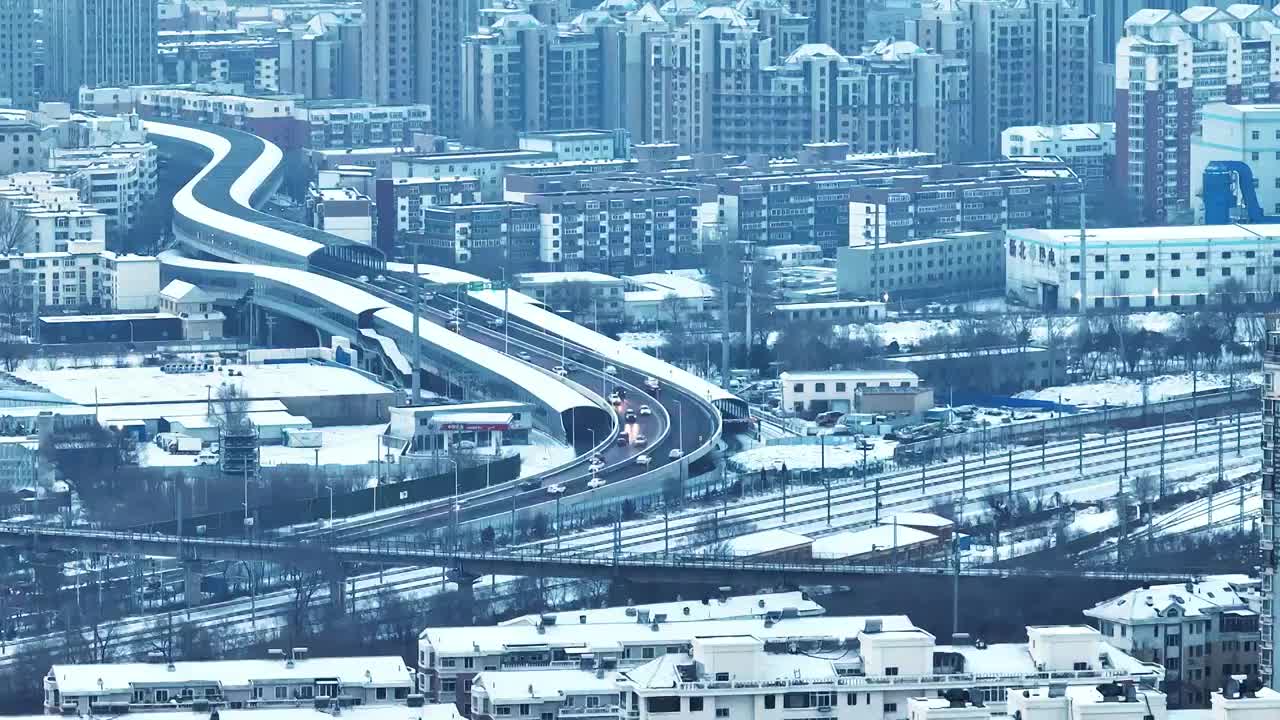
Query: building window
<point>819,387</point>
<point>695,704</point>
<point>722,712</point>
<point>770,702</point>
<point>892,670</point>
<point>798,387</point>
<point>1151,273</point>
<point>840,387</point>
<point>891,707</point>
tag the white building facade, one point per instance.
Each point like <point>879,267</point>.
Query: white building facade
<point>837,389</point>
<point>1245,133</point>
<point>1143,266</point>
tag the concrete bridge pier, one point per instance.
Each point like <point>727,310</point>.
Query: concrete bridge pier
<point>466,583</point>
<point>337,579</point>
<point>192,576</point>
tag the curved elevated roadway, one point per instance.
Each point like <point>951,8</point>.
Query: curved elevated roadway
<point>323,279</point>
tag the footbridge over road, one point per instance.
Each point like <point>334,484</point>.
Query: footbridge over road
<point>469,565</point>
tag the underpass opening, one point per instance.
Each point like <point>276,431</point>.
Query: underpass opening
<point>586,426</point>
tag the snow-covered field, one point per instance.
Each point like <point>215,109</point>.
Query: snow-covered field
<point>1127,391</point>
<point>811,457</point>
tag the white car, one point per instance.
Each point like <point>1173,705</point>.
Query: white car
<point>675,454</point>
<point>596,466</point>
<point>651,383</point>
<point>555,489</point>
<point>640,439</point>
<point>595,482</point>
<point>494,322</point>
<point>643,460</point>
<point>610,370</point>
<point>525,356</point>
<point>644,410</point>
<point>560,370</point>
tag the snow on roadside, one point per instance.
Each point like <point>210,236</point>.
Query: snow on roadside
<point>642,340</point>
<point>1127,391</point>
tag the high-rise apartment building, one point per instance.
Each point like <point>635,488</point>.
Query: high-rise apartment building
<point>96,43</point>
<point>1168,67</point>
<point>410,54</point>
<point>521,74</point>
<point>842,24</point>
<point>1029,61</point>
<point>17,65</point>
<point>1269,618</point>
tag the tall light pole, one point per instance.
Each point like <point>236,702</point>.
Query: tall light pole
<point>455,505</point>
<point>506,299</point>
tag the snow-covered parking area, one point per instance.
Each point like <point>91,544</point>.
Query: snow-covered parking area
<point>1128,391</point>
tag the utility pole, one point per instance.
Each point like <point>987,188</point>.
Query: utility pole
<point>666,531</point>
<point>1195,407</point>
<point>726,263</point>
<point>955,583</point>
<point>827,481</point>
<point>877,498</point>
<point>783,475</point>
<point>1164,414</point>
<point>1044,440</point>
<point>416,397</point>
<point>748,270</point>
<point>1084,261</point>
<point>1010,466</point>
<point>1219,455</point>
<point>1126,451</point>
<point>1122,508</point>
<point>1080,449</point>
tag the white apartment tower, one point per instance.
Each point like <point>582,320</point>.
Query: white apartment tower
<point>98,43</point>
<point>17,38</point>
<point>1029,61</point>
<point>1168,67</point>
<point>411,54</point>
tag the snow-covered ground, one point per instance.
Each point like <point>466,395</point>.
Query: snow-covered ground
<point>358,445</point>
<point>642,340</point>
<point>811,457</point>
<point>1127,391</point>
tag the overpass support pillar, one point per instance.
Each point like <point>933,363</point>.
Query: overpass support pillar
<point>337,590</point>
<point>621,591</point>
<point>466,583</point>
<point>192,577</point>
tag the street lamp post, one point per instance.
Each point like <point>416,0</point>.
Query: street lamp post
<point>455,505</point>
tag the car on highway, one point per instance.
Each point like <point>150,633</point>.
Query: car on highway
<point>555,489</point>
<point>595,482</point>
<point>560,370</point>
<point>595,466</point>
<point>524,355</point>
<point>652,383</point>
<point>610,370</point>
<point>645,410</point>
<point>495,322</point>
<point>641,439</point>
<point>630,416</point>
<point>675,454</point>
<point>455,325</point>
<point>622,440</point>
<point>455,312</point>
<point>615,398</point>
<point>643,460</point>
<point>529,484</point>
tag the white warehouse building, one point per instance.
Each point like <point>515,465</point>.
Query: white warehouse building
<point>1143,266</point>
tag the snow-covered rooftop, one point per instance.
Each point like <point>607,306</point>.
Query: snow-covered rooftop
<point>577,276</point>
<point>386,671</point>
<point>475,641</point>
<point>851,543</point>
<point>543,685</point>
<point>143,385</point>
<point>733,607</point>
<point>849,375</point>
<point>766,541</point>
<point>1199,599</point>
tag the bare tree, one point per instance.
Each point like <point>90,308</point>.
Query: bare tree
<point>16,233</point>
<point>303,584</point>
